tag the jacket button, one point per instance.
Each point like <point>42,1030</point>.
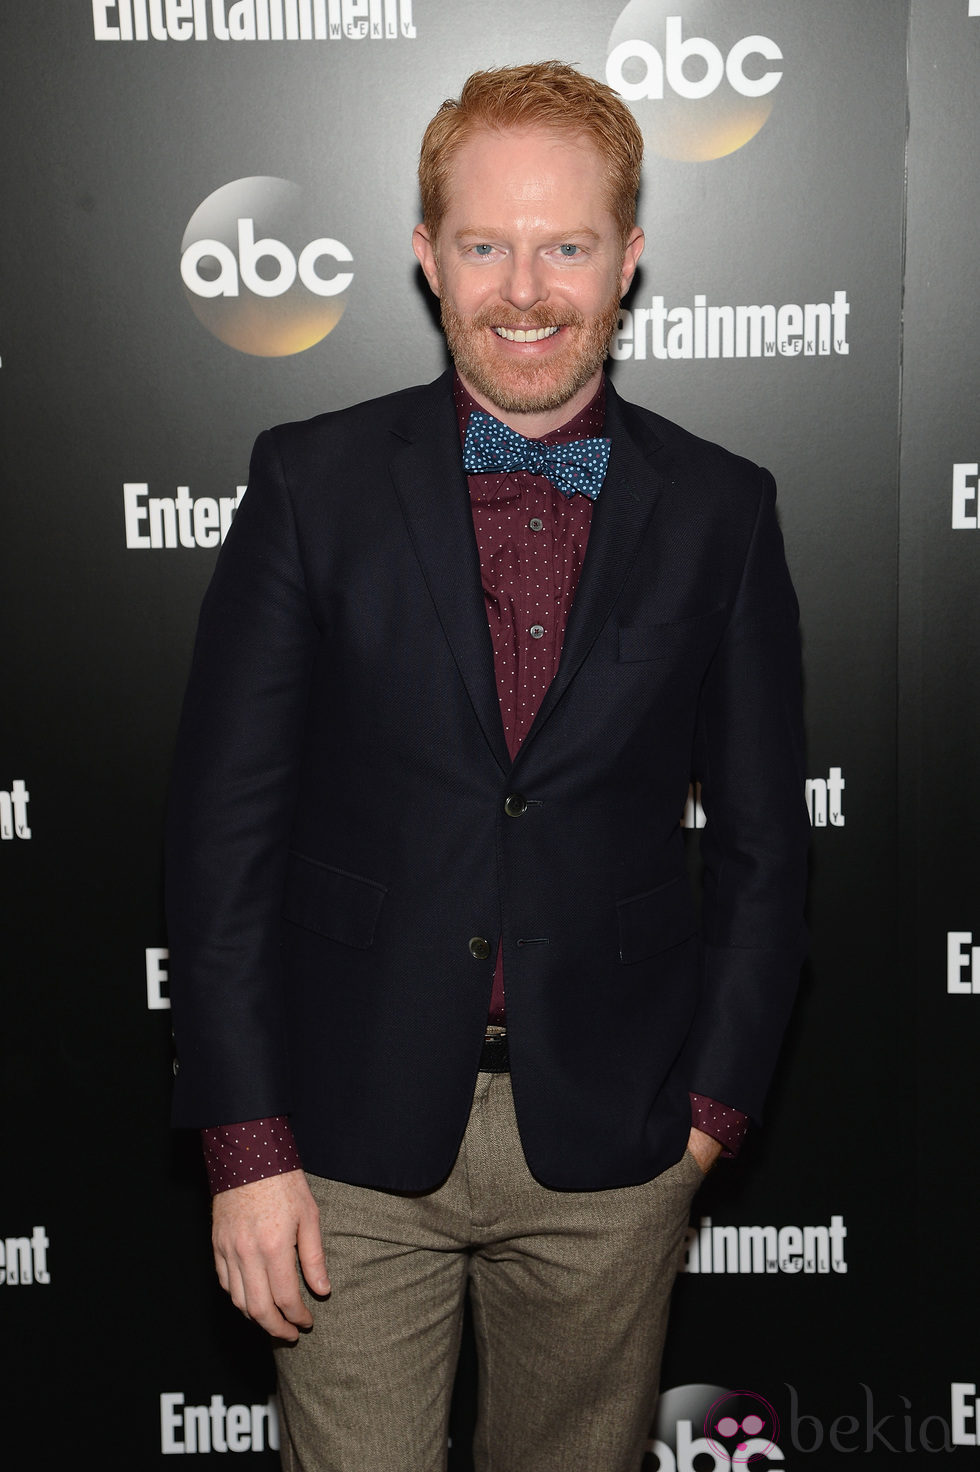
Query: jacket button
<point>515,805</point>
<point>479,948</point>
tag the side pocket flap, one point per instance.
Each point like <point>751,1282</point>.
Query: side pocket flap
<point>331,902</point>
<point>655,920</point>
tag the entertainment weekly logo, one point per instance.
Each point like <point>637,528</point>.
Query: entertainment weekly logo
<point>699,86</point>
<point>13,811</point>
<point>24,1260</point>
<point>711,1249</point>
<point>257,270</point>
<point>216,1427</point>
<point>181,520</point>
<point>962,964</point>
<point>709,330</point>
<point>965,491</point>
<point>157,979</point>
<point>964,1407</point>
<point>253,20</point>
<point>824,801</point>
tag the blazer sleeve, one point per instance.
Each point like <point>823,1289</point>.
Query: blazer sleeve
<point>749,758</point>
<point>232,796</point>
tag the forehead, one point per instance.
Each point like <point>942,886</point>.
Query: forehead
<point>522,168</point>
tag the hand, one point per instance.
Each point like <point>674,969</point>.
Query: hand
<point>704,1148</point>
<point>256,1231</point>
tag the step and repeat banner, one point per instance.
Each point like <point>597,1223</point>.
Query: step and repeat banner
<point>206,230</point>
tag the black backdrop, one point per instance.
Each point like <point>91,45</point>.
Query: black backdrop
<point>808,297</point>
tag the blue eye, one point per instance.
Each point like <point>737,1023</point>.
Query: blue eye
<point>483,250</point>
<point>568,250</point>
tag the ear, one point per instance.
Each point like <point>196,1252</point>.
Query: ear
<point>425,250</point>
<point>631,256</point>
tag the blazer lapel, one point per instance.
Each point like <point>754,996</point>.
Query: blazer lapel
<point>427,470</point>
<point>629,497</point>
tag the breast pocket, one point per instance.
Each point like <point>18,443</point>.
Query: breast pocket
<point>674,640</point>
<point>332,902</point>
<point>655,920</point>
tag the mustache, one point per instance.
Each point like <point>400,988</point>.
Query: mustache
<point>524,321</point>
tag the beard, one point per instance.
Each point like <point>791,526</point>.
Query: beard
<point>536,385</point>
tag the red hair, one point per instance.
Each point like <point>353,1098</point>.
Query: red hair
<point>548,95</point>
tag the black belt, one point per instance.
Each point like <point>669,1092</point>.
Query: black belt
<point>494,1057</point>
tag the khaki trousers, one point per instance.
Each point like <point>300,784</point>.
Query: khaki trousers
<point>569,1293</point>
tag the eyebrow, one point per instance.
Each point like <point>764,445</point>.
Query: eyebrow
<point>493,233</point>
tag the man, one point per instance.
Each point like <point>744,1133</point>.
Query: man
<point>432,937</point>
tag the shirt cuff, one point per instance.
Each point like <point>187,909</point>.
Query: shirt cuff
<point>723,1123</point>
<point>236,1154</point>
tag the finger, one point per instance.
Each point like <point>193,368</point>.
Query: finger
<point>260,1305</point>
<point>309,1245</point>
<point>236,1288</point>
<point>221,1268</point>
<point>287,1296</point>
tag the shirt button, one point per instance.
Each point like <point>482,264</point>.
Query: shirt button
<point>536,524</point>
<point>536,631</point>
<point>479,948</point>
<point>515,805</point>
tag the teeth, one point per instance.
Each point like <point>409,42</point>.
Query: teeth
<point>533,334</point>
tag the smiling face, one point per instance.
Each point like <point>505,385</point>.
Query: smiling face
<point>529,266</point>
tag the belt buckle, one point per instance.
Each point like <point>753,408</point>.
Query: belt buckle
<point>494,1057</point>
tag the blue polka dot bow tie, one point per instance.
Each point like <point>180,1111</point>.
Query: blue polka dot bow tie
<point>492,448</point>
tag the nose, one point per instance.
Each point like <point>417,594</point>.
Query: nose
<point>524,284</point>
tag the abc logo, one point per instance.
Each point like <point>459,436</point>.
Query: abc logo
<point>735,1429</point>
<point>700,86</point>
<point>256,272</point>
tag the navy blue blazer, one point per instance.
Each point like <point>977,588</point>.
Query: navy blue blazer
<point>338,843</point>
